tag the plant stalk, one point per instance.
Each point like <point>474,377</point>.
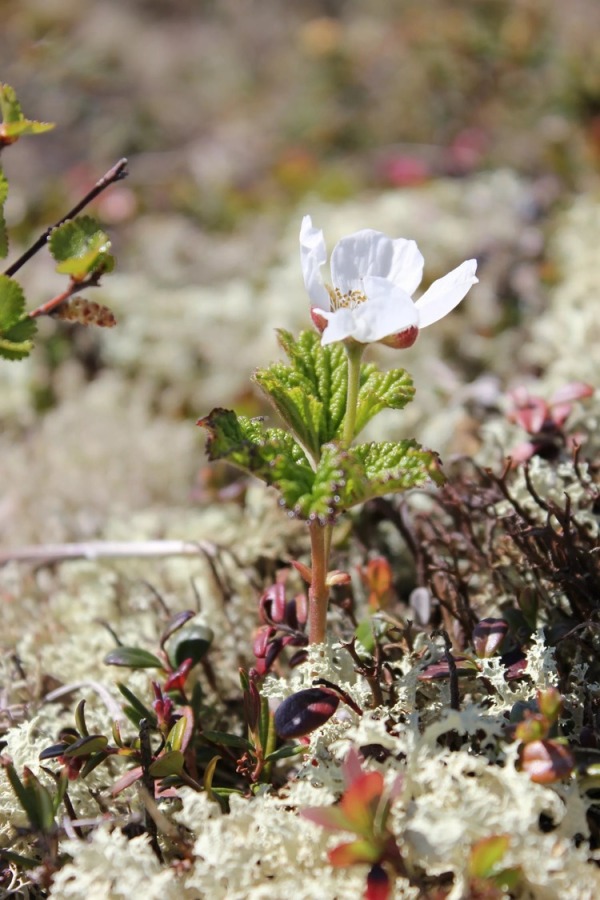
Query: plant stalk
<point>114,174</point>
<point>318,595</point>
<point>354,352</point>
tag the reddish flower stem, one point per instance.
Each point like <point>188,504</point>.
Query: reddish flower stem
<point>318,595</point>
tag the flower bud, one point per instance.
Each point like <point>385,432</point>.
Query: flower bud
<point>303,712</point>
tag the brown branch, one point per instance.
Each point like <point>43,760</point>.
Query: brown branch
<point>116,173</point>
<point>74,288</point>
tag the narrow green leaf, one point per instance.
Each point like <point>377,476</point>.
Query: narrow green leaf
<point>41,802</point>
<point>80,719</point>
<point>54,751</point>
<point>137,707</point>
<point>24,862</point>
<point>95,760</point>
<point>209,774</point>
<point>169,763</point>
<point>61,789</point>
<point>226,739</point>
<point>266,725</point>
<point>487,854</point>
<point>3,236</point>
<point>85,746</point>
<point>23,794</point>
<point>364,634</point>
<point>244,680</point>
<point>133,657</point>
<point>181,732</point>
<point>286,752</point>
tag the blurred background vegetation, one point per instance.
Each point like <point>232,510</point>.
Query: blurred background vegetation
<point>229,109</point>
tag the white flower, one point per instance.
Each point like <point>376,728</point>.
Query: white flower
<point>373,279</point>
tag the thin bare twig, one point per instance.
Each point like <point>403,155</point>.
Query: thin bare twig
<point>48,554</point>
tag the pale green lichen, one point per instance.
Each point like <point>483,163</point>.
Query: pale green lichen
<point>102,464</point>
<point>108,866</point>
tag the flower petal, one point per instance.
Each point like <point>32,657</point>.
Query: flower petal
<point>446,293</point>
<point>313,254</point>
<point>340,325</point>
<point>370,252</point>
<point>386,311</point>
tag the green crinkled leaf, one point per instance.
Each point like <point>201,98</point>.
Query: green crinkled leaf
<point>15,351</point>
<point>268,453</point>
<point>16,329</point>
<point>274,456</point>
<point>22,332</point>
<point>381,390</point>
<point>310,393</point>
<point>9,105</point>
<point>343,477</point>
<point>14,124</point>
<point>389,467</point>
<point>12,303</point>
<point>80,248</point>
<point>14,130</point>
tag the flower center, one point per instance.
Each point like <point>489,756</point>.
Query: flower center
<point>345,301</point>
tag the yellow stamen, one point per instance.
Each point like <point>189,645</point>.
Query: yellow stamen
<point>345,301</point>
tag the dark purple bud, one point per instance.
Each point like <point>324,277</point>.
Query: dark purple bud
<point>301,602</point>
<point>272,604</point>
<point>297,658</point>
<point>488,635</point>
<point>291,619</point>
<point>305,711</point>
<point>261,641</point>
<point>515,663</point>
<point>464,667</point>
<point>378,884</point>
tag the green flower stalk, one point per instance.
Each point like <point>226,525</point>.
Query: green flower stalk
<point>325,394</point>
